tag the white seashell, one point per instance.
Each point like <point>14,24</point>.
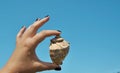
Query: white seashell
<point>59,48</point>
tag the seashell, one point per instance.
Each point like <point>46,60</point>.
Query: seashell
<point>59,49</point>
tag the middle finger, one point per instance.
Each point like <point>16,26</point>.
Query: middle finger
<point>32,29</point>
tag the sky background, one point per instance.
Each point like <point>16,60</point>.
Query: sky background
<point>91,26</point>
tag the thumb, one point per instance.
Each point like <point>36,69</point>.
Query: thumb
<point>41,66</point>
<point>45,33</point>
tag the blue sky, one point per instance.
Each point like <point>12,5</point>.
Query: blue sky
<point>91,26</point>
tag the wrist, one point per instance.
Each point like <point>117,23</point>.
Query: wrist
<point>13,69</point>
<point>10,67</point>
<point>7,70</point>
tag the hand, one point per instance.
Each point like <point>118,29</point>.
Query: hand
<point>24,59</point>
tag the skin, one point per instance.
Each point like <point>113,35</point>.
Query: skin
<point>24,59</point>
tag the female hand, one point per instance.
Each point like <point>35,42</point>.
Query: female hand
<point>24,59</point>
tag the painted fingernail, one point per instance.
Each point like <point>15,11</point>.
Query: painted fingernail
<point>61,63</point>
<point>37,19</point>
<point>59,31</point>
<point>22,26</point>
<point>58,68</point>
<point>47,16</point>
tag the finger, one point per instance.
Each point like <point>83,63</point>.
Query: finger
<point>43,34</point>
<point>36,25</point>
<point>39,23</point>
<point>46,66</point>
<point>51,66</point>
<point>20,33</point>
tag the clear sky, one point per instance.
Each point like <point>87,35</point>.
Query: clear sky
<point>91,26</point>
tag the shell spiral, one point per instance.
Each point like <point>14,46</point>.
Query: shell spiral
<point>59,49</point>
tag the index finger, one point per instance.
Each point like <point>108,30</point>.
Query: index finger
<point>40,22</point>
<point>35,26</point>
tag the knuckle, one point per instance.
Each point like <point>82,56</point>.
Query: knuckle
<point>44,32</point>
<point>33,26</point>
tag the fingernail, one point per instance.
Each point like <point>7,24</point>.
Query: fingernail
<point>58,68</point>
<point>61,63</point>
<point>37,19</point>
<point>47,16</point>
<point>22,26</point>
<point>59,31</point>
